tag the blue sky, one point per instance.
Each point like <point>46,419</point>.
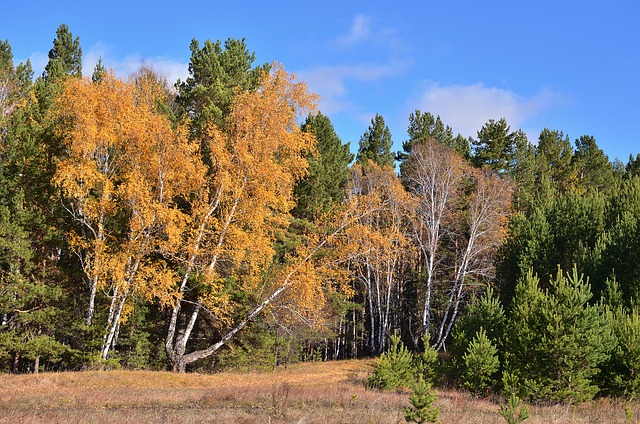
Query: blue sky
<point>568,65</point>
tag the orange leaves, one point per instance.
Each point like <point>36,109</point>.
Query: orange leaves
<point>255,162</point>
<point>125,168</point>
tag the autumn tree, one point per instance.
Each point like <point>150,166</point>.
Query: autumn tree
<point>434,174</point>
<point>378,248</point>
<point>255,161</point>
<point>125,167</point>
<point>459,223</point>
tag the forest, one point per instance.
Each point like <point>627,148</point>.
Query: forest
<point>221,223</point>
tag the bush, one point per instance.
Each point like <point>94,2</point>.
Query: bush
<point>395,369</point>
<point>481,363</point>
<point>557,340</point>
<point>421,399</point>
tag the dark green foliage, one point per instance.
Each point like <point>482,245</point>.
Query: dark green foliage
<point>561,231</point>
<point>98,72</point>
<point>592,166</point>
<point>426,363</point>
<point>556,341</point>
<point>481,364</point>
<point>619,247</point>
<point>328,170</point>
<point>422,409</point>
<point>620,375</point>
<point>484,312</point>
<point>423,127</point>
<point>395,368</point>
<point>217,73</point>
<point>555,155</point>
<point>633,166</point>
<point>375,144</point>
<point>524,173</point>
<point>495,147</point>
<point>65,58</point>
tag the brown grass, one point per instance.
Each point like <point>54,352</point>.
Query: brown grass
<point>331,392</point>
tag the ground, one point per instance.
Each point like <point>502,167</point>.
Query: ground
<point>328,392</point>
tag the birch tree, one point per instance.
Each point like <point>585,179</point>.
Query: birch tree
<point>256,159</point>
<point>124,168</point>
<point>434,174</point>
<point>378,248</point>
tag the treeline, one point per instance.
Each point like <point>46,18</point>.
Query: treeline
<point>197,225</point>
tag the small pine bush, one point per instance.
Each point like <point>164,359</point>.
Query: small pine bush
<point>395,369</point>
<point>422,399</point>
<point>480,364</point>
<point>510,411</point>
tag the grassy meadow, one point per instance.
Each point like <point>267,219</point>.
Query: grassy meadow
<point>329,392</point>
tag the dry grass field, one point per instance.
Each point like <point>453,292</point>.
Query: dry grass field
<point>330,392</point>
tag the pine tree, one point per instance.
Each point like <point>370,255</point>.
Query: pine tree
<point>65,58</point>
<point>375,144</point>
<point>395,368</point>
<point>422,409</point>
<point>495,147</point>
<point>217,72</point>
<point>328,170</point>
<point>557,341</point>
<point>481,364</point>
<point>423,127</point>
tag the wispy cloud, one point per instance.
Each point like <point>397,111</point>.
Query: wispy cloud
<point>171,69</point>
<point>360,30</point>
<point>466,108</point>
<point>331,83</point>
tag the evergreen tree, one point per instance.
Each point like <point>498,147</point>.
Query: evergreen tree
<point>619,246</point>
<point>514,411</point>
<point>395,368</point>
<point>423,126</point>
<point>328,170</point>
<point>556,341</point>
<point>33,305</point>
<point>594,171</point>
<point>481,364</point>
<point>483,313</point>
<point>555,155</point>
<point>422,399</point>
<point>375,144</point>
<point>495,147</point>
<point>216,72</point>
<point>65,58</point>
<point>99,71</point>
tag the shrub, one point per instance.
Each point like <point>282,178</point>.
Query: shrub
<point>422,399</point>
<point>481,363</point>
<point>395,368</point>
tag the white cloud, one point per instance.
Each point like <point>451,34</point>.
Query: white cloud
<point>38,62</point>
<point>331,83</point>
<point>169,68</point>
<point>466,108</point>
<point>360,30</point>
